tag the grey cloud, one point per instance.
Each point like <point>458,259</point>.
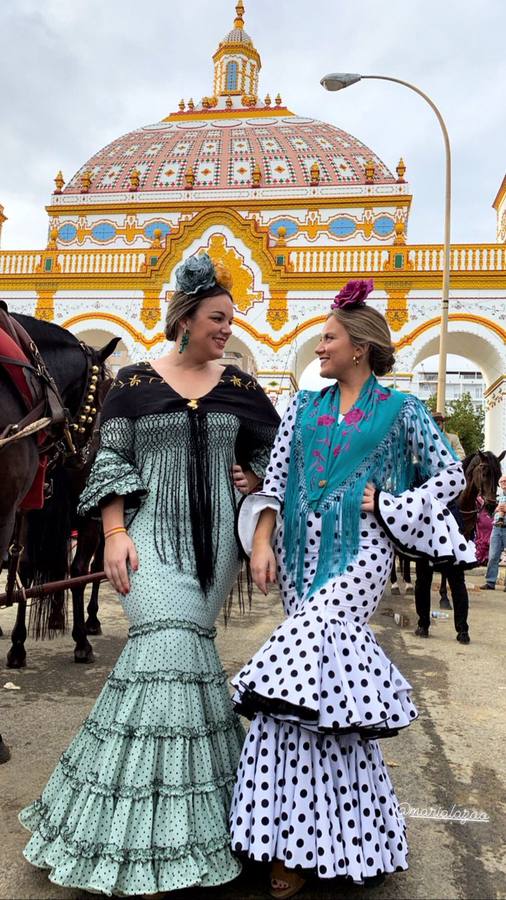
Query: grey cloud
<point>74,76</point>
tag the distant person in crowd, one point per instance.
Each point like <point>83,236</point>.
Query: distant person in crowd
<point>483,534</point>
<point>498,539</point>
<point>405,566</point>
<point>455,577</point>
<point>453,439</point>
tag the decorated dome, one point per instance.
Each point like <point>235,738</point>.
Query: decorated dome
<point>231,145</point>
<point>238,34</point>
<point>228,153</point>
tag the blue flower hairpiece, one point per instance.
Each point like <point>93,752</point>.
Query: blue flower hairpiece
<point>197,273</point>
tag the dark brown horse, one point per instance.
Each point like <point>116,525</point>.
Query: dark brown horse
<point>483,471</point>
<point>70,363</point>
<point>49,535</point>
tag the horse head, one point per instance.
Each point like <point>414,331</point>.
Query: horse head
<point>483,474</point>
<point>105,352</point>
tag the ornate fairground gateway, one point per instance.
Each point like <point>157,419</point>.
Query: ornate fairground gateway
<point>292,205</point>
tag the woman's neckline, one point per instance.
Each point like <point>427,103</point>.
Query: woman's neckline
<point>189,399</point>
<point>336,388</point>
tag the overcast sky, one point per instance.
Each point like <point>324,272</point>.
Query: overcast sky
<point>75,74</point>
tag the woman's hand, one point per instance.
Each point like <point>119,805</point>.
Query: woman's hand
<point>367,504</point>
<point>263,566</point>
<point>245,481</point>
<point>120,551</point>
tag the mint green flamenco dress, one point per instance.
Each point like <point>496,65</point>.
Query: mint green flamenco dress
<point>139,802</point>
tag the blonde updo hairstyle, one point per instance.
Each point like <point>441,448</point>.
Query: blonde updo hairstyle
<point>184,305</point>
<point>365,325</point>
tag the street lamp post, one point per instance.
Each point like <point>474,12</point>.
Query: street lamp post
<point>336,82</point>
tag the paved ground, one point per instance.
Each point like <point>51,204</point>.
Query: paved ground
<point>452,757</point>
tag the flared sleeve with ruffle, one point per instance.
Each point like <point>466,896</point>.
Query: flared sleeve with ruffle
<point>273,491</point>
<point>418,520</point>
<point>114,473</point>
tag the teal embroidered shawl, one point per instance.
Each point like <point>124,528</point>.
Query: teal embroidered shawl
<point>330,465</point>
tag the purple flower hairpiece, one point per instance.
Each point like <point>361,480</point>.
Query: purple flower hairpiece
<point>353,294</point>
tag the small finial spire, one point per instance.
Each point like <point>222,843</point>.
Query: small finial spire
<point>400,232</point>
<point>189,177</point>
<point>156,242</point>
<point>256,176</point>
<point>59,182</point>
<point>86,181</point>
<point>369,170</point>
<point>239,15</point>
<point>314,174</point>
<point>135,180</point>
<point>401,170</point>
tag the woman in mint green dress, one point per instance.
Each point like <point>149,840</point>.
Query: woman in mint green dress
<point>139,802</point>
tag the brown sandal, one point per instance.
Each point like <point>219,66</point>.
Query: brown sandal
<point>284,882</point>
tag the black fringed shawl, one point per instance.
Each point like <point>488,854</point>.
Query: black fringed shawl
<point>139,391</point>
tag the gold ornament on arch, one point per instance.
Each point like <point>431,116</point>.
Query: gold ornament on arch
<point>229,263</point>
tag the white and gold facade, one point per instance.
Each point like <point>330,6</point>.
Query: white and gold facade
<point>292,205</point>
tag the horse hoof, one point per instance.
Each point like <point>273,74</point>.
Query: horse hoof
<point>84,656</point>
<point>5,753</point>
<point>15,662</point>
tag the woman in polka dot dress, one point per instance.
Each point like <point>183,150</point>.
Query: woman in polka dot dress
<point>139,802</point>
<point>312,790</point>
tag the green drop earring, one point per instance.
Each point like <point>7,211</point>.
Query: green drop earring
<point>185,340</point>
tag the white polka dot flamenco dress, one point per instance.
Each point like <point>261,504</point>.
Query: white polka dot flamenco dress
<point>312,788</point>
<point>139,802</point>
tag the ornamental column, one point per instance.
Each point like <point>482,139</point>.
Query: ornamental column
<point>495,416</point>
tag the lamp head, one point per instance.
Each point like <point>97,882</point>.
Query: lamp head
<point>336,81</point>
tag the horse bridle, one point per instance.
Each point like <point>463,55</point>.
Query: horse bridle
<point>73,434</point>
<point>472,514</point>
<point>82,424</point>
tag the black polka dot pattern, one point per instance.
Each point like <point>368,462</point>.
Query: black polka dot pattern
<point>325,803</point>
<point>419,522</point>
<point>322,666</point>
<point>312,788</point>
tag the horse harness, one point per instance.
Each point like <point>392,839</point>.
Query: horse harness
<point>59,434</point>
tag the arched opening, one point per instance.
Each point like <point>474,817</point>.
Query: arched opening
<point>306,366</point>
<point>463,376</point>
<point>473,346</point>
<point>96,337</point>
<point>237,353</point>
<point>472,351</point>
<point>310,379</point>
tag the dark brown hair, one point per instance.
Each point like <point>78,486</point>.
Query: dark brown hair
<point>183,306</point>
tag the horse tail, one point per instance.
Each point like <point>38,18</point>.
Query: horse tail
<point>47,558</point>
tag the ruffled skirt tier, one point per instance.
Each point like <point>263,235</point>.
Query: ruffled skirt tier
<point>312,788</point>
<point>321,802</point>
<point>326,672</point>
<point>139,801</point>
